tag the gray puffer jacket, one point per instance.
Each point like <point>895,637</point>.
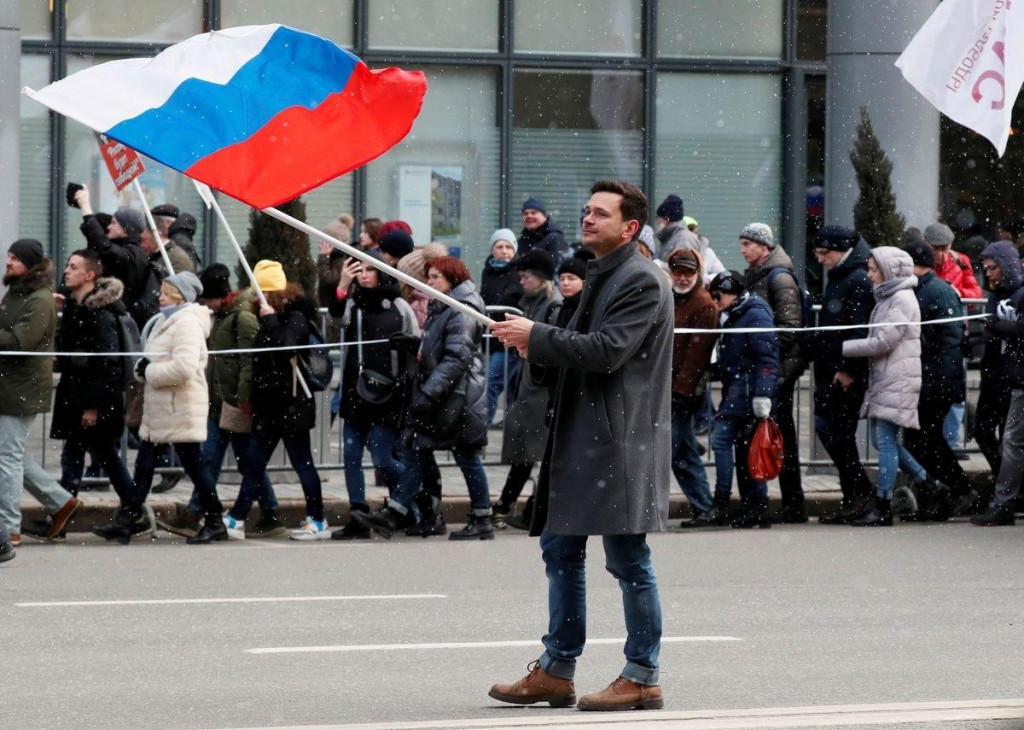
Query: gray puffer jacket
<point>894,380</point>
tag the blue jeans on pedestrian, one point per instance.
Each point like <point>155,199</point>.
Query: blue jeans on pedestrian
<point>951,428</point>
<point>628,558</point>
<point>730,441</point>
<point>687,464</point>
<point>380,440</point>
<point>254,466</point>
<point>468,459</point>
<point>498,379</point>
<point>892,457</point>
<point>18,469</point>
<point>214,449</point>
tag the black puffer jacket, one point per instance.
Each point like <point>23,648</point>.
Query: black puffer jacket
<point>374,314</point>
<point>848,300</point>
<point>122,259</point>
<point>279,404</point>
<point>90,383</point>
<point>943,378</point>
<point>548,237</point>
<point>499,287</point>
<point>450,359</point>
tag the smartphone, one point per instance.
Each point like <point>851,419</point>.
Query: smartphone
<point>70,193</point>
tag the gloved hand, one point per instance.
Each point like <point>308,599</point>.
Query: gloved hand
<point>140,367</point>
<point>421,404</point>
<point>1005,312</point>
<point>762,407</point>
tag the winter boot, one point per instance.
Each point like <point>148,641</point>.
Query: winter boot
<point>480,527</point>
<point>707,518</point>
<point>213,530</point>
<point>753,513</point>
<point>119,528</point>
<point>431,517</point>
<point>354,530</point>
<point>384,521</point>
<point>995,516</point>
<point>880,515</point>
<point>722,508</point>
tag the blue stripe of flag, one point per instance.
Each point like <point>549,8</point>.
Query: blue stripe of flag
<point>200,117</point>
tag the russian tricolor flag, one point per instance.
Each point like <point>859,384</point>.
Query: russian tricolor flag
<point>262,113</point>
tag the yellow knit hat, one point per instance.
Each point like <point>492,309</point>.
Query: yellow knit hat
<point>270,276</point>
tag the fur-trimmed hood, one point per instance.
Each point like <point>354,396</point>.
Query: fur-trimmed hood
<point>37,277</point>
<point>108,290</point>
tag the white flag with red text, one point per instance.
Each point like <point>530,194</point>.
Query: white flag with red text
<point>968,60</point>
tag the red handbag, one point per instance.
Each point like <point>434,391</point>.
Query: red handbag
<point>764,461</point>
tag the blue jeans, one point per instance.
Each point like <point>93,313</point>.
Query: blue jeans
<point>380,440</point>
<point>254,466</point>
<point>892,457</point>
<point>214,449</point>
<point>628,558</point>
<point>951,428</point>
<point>498,379</point>
<point>18,469</point>
<point>730,440</point>
<point>468,459</point>
<point>687,464</point>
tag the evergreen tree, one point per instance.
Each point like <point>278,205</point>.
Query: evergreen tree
<point>272,239</point>
<point>874,214</point>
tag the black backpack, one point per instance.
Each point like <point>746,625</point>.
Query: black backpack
<point>128,340</point>
<point>146,303</point>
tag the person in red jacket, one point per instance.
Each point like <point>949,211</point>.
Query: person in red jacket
<point>952,266</point>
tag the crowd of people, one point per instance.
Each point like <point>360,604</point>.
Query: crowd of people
<point>231,366</point>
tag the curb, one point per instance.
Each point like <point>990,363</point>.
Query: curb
<point>292,510</point>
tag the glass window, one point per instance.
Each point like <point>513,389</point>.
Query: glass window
<point>36,19</point>
<point>83,164</point>
<point>719,147</point>
<point>811,30</point>
<point>429,25</point>
<point>569,129</point>
<point>35,153</point>
<point>599,27</point>
<point>331,20</point>
<point>116,20</point>
<point>444,179</point>
<point>727,28</point>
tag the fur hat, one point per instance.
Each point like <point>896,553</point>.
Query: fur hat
<point>216,281</point>
<point>538,262</point>
<point>671,209</point>
<point>577,263</point>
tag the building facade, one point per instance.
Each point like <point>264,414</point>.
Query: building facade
<point>734,105</point>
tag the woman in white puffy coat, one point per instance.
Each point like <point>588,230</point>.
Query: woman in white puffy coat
<point>175,407</point>
<point>894,378</point>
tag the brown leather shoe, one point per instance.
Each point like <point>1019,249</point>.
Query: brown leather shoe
<point>623,694</point>
<point>16,539</point>
<point>536,686</point>
<point>61,518</point>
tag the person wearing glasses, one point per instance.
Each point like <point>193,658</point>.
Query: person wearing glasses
<point>748,366</point>
<point>691,357</point>
<point>841,381</point>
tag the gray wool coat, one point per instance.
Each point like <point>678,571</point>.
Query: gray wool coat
<point>606,469</point>
<point>894,352</point>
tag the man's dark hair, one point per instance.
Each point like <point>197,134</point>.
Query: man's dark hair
<point>634,204</point>
<point>91,259</point>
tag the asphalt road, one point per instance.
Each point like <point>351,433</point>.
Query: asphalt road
<point>807,626</point>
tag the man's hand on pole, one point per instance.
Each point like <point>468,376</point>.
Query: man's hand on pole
<point>514,332</point>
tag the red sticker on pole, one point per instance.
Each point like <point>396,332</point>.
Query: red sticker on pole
<point>123,164</point>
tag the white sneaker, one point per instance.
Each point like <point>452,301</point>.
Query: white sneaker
<point>311,529</point>
<point>236,529</point>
